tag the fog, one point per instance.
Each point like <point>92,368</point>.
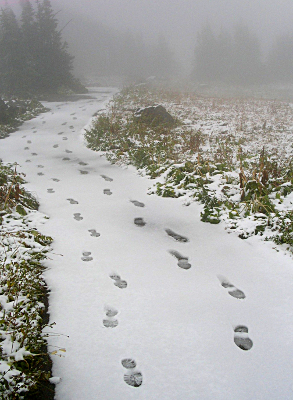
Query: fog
<point>180,20</point>
<point>99,29</point>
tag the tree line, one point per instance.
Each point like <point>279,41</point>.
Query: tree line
<point>34,59</point>
<point>101,50</point>
<point>236,57</point>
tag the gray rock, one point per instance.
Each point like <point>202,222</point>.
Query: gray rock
<point>154,115</point>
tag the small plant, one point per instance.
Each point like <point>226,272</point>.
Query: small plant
<point>24,360</point>
<point>239,168</point>
<point>13,112</point>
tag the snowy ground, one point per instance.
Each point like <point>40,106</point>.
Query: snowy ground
<point>177,324</point>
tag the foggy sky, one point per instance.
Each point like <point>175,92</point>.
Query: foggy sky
<point>180,20</point>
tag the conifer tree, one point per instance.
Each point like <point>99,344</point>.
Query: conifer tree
<point>205,68</point>
<point>280,60</point>
<point>11,54</point>
<point>28,33</point>
<point>246,56</point>
<point>163,61</point>
<point>53,62</point>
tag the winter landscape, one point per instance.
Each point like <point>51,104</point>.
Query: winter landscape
<point>146,223</point>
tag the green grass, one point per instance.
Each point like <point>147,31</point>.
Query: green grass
<point>24,357</point>
<point>232,155</point>
<point>16,113</point>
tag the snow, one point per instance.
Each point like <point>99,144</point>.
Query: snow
<point>177,324</point>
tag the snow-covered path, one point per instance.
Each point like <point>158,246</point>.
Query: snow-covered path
<point>177,324</point>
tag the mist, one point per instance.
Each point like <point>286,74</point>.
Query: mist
<point>180,22</point>
<point>140,38</point>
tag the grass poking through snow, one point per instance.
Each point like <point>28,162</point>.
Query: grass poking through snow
<point>232,155</point>
<point>25,366</point>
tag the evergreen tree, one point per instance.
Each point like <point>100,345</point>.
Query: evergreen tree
<point>226,58</point>
<point>246,56</point>
<point>206,51</point>
<point>28,32</point>
<point>11,54</point>
<point>162,58</point>
<point>280,60</point>
<point>53,62</point>
<point>223,60</point>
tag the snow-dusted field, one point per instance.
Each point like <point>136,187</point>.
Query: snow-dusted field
<point>177,324</point>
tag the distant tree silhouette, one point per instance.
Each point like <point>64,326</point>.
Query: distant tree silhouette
<point>246,56</point>
<point>205,68</point>
<point>11,54</point>
<point>33,57</point>
<point>28,42</point>
<point>53,62</point>
<point>280,60</point>
<point>162,62</point>
<point>229,58</point>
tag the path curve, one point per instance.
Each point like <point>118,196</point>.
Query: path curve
<point>156,303</point>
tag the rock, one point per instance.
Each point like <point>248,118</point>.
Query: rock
<point>154,115</point>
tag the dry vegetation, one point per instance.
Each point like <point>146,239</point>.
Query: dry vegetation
<point>232,155</point>
<point>25,366</point>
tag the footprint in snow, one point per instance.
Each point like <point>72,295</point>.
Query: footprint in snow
<point>64,123</point>
<point>68,151</point>
<point>40,166</point>
<point>137,203</point>
<point>82,163</point>
<point>64,138</point>
<point>25,135</point>
<point>139,222</point>
<point>176,236</point>
<point>72,201</point>
<point>34,154</point>
<point>71,127</point>
<point>73,113</point>
<point>60,133</point>
<point>28,161</point>
<point>241,338</point>
<point>121,284</point>
<point>110,321</point>
<point>29,141</point>
<point>26,148</point>
<point>65,159</point>
<point>182,260</point>
<point>43,122</point>
<point>133,377</point>
<point>108,192</point>
<point>83,172</point>
<point>55,180</point>
<point>40,173</point>
<point>50,190</point>
<point>55,146</point>
<point>77,216</point>
<point>35,131</point>
<point>107,178</point>
<point>74,118</point>
<point>86,256</point>
<point>94,233</point>
<point>232,290</point>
